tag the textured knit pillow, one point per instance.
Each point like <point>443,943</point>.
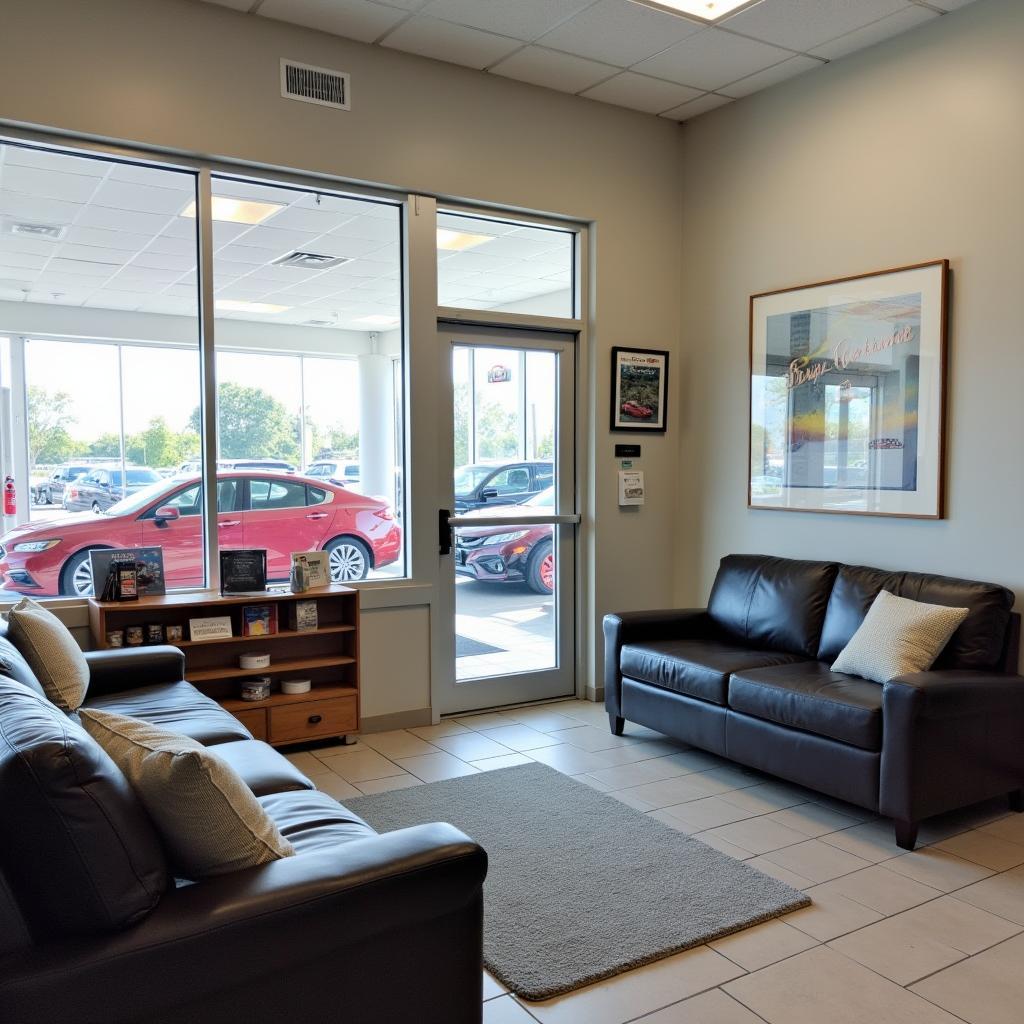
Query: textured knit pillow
<point>898,636</point>
<point>206,815</point>
<point>51,652</point>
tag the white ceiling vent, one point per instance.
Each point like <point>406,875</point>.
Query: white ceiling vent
<point>50,232</point>
<point>315,85</point>
<point>311,260</point>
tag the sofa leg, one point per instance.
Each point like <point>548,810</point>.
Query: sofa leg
<point>906,834</point>
<point>616,724</point>
<point>1016,800</point>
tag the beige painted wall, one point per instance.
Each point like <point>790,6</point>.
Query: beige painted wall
<point>907,152</point>
<point>204,80</point>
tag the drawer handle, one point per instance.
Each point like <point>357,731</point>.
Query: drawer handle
<point>314,719</point>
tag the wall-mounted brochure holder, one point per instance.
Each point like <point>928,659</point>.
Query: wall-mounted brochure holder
<point>631,487</point>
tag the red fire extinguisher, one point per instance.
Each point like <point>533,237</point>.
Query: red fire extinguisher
<point>9,504</point>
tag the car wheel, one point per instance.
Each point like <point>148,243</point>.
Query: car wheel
<point>48,496</point>
<point>96,507</point>
<point>349,559</point>
<point>540,570</point>
<point>76,576</point>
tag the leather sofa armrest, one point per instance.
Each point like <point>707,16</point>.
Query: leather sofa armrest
<point>227,931</point>
<point>635,627</point>
<point>111,671</point>
<point>949,738</point>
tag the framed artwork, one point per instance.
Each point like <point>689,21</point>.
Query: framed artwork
<point>847,394</point>
<point>639,389</point>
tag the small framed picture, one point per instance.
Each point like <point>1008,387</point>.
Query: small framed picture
<point>639,389</point>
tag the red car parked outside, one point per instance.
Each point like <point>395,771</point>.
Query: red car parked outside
<point>508,554</point>
<point>254,510</point>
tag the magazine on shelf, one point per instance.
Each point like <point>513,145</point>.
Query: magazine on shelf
<point>148,564</point>
<point>316,566</point>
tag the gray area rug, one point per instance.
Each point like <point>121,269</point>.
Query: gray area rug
<point>581,887</point>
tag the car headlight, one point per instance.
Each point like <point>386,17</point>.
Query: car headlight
<point>506,538</point>
<point>36,545</point>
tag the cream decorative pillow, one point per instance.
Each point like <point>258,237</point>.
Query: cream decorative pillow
<point>51,652</point>
<point>898,636</point>
<point>207,817</point>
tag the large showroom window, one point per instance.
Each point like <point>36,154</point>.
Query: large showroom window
<point>102,420</point>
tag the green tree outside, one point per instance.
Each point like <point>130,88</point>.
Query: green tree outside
<point>252,424</point>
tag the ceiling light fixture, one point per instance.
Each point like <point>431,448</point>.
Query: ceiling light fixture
<point>378,320</point>
<point>459,241</point>
<point>238,211</point>
<point>237,306</point>
<point>709,11</point>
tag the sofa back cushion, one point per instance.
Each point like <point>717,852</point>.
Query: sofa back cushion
<point>12,664</point>
<point>78,850</point>
<point>976,644</point>
<point>776,604</point>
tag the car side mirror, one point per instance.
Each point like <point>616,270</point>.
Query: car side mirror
<point>488,492</point>
<point>167,514</point>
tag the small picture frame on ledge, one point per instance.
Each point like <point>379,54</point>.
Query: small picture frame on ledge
<point>243,571</point>
<point>639,390</point>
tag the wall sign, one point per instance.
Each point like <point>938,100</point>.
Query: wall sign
<point>499,374</point>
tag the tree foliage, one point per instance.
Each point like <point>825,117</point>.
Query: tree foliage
<point>49,417</point>
<point>252,424</point>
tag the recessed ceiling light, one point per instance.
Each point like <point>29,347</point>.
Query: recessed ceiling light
<point>237,306</point>
<point>457,241</point>
<point>709,11</point>
<point>378,320</point>
<point>238,211</point>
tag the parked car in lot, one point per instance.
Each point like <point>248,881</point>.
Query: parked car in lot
<point>505,483</point>
<point>101,488</point>
<point>509,554</point>
<point>271,465</point>
<point>254,510</point>
<point>52,491</point>
<point>344,473</point>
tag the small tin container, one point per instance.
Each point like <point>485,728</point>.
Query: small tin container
<point>296,685</point>
<point>155,633</point>
<point>256,689</point>
<point>133,636</point>
<point>115,638</point>
<point>175,634</point>
<point>251,661</point>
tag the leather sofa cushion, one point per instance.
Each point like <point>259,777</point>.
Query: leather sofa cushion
<point>977,643</point>
<point>313,820</point>
<point>178,707</point>
<point>775,604</point>
<point>697,668</point>
<point>262,768</point>
<point>811,697</point>
<point>12,664</point>
<point>78,848</point>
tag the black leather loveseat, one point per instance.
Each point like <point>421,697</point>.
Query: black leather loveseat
<point>749,678</point>
<point>355,926</point>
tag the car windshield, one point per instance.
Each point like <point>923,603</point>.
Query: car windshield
<point>135,477</point>
<point>545,499</point>
<point>467,478</point>
<point>140,499</point>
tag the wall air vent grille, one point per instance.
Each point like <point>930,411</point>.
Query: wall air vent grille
<point>311,261</point>
<point>315,85</point>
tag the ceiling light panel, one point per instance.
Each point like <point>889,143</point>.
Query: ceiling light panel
<point>237,211</point>
<point>709,11</point>
<point>459,241</point>
<point>238,306</point>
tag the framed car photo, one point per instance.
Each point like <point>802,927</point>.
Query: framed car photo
<point>639,389</point>
<point>847,394</point>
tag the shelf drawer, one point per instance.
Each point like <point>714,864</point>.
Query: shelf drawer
<point>255,721</point>
<point>312,719</point>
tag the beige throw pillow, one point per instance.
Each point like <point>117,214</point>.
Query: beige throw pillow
<point>898,636</point>
<point>51,652</point>
<point>207,817</point>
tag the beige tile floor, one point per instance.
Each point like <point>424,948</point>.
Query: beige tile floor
<point>932,937</point>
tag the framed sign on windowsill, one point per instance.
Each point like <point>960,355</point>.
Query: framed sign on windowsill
<point>639,389</point>
<point>847,395</point>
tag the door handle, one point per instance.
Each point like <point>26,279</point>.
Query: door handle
<point>228,522</point>
<point>317,515</point>
<point>444,532</point>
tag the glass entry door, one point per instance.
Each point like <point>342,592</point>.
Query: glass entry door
<point>510,526</point>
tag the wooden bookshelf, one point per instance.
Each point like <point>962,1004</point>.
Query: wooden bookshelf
<point>328,656</point>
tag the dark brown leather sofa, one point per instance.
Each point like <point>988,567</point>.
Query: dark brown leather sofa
<point>749,678</point>
<point>356,926</point>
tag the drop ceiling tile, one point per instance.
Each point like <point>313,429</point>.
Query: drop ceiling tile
<point>94,254</point>
<point>173,246</point>
<point>710,59</point>
<point>22,243</point>
<point>523,247</point>
<point>255,190</point>
<point>38,210</point>
<point>315,221</point>
<point>240,254</point>
<point>878,31</point>
<point>144,275</point>
<point>19,156</point>
<point>619,32</point>
<point>696,107</point>
<point>473,225</point>
<point>124,220</point>
<point>125,195</point>
<point>123,240</point>
<point>355,19</point>
<point>276,242</point>
<point>638,92</point>
<point>22,260</point>
<point>521,19</point>
<point>83,268</point>
<point>803,24</point>
<point>157,177</point>
<point>772,76</point>
<point>105,299</point>
<point>562,71</point>
<point>165,261</point>
<point>11,275</point>
<point>372,229</point>
<point>454,43</point>
<point>33,181</point>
